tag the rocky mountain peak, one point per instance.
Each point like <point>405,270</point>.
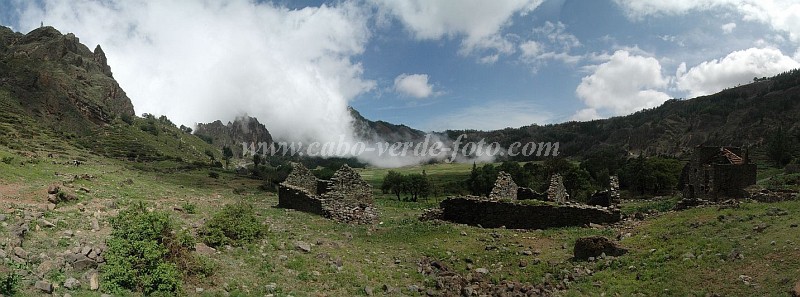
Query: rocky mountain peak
<point>59,79</point>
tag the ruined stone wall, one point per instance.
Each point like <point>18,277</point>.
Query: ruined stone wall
<point>731,180</point>
<point>504,187</point>
<point>493,214</point>
<point>347,198</point>
<point>352,187</point>
<point>524,193</point>
<point>557,192</point>
<point>294,197</point>
<point>613,188</point>
<point>303,178</point>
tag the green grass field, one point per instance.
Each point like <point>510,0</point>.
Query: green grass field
<point>671,254</point>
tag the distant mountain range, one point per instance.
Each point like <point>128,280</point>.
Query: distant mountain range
<point>742,116</point>
<point>53,89</point>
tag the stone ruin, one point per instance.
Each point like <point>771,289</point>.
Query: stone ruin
<point>607,197</point>
<point>717,173</point>
<point>504,187</point>
<point>557,192</point>
<point>346,198</point>
<point>516,214</point>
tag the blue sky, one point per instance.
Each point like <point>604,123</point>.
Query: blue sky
<point>432,65</point>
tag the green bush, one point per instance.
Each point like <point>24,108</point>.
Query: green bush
<point>144,253</point>
<point>190,208</point>
<point>8,160</point>
<point>213,174</point>
<point>235,224</point>
<point>8,284</point>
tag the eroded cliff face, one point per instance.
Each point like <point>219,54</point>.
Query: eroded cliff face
<point>243,129</point>
<point>59,81</point>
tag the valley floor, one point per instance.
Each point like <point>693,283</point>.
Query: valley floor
<point>749,250</point>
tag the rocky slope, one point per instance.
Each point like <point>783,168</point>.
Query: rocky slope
<point>244,129</point>
<point>59,81</point>
<point>382,131</point>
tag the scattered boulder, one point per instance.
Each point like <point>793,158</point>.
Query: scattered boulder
<point>72,283</point>
<point>303,246</point>
<point>94,281</point>
<point>594,246</point>
<point>203,249</point>
<point>796,290</point>
<point>19,252</point>
<point>46,223</point>
<point>53,189</point>
<point>44,286</point>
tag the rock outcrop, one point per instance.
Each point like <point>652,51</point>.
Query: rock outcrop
<point>57,79</point>
<point>243,129</point>
<point>595,246</point>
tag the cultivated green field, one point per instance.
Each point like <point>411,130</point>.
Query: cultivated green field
<point>689,253</point>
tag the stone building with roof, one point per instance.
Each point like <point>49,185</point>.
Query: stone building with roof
<point>717,172</point>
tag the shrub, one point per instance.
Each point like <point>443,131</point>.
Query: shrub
<point>8,284</point>
<point>8,160</point>
<point>146,255</point>
<point>190,208</point>
<point>213,174</point>
<point>235,224</point>
<point>128,119</point>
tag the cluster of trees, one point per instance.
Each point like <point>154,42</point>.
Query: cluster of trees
<point>413,185</point>
<point>781,145</point>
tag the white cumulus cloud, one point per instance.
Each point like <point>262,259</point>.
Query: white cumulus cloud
<point>414,85</point>
<point>199,61</point>
<point>783,15</point>
<point>738,67</point>
<point>479,23</point>
<point>552,42</point>
<point>624,84</point>
<point>728,28</point>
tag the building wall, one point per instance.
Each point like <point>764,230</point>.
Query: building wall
<point>493,214</point>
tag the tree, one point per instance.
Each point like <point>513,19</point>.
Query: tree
<point>779,147</point>
<point>394,182</point>
<point>481,180</point>
<point>256,161</point>
<point>186,130</point>
<point>227,154</point>
<point>417,185</point>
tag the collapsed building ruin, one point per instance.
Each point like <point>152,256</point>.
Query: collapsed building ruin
<point>504,187</point>
<point>556,192</point>
<point>717,172</point>
<point>607,197</point>
<point>345,198</point>
<point>504,207</point>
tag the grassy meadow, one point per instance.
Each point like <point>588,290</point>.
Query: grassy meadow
<point>697,252</point>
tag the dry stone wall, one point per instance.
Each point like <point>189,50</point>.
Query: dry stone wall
<point>346,198</point>
<point>504,187</point>
<point>557,192</point>
<point>302,178</point>
<point>494,214</point>
<point>350,184</point>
